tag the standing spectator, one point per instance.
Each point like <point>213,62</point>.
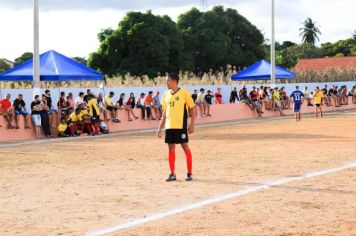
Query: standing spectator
<point>318,96</point>
<point>200,102</point>
<point>6,111</point>
<point>110,107</point>
<point>53,113</point>
<point>218,97</point>
<point>86,98</point>
<point>285,99</point>
<point>79,100</point>
<point>265,99</point>
<point>233,95</point>
<point>20,109</point>
<point>122,105</point>
<point>195,95</point>
<point>208,102</point>
<point>307,96</point>
<point>254,96</point>
<point>36,109</point>
<point>70,101</point>
<point>298,100</point>
<point>94,113</point>
<point>157,107</point>
<point>44,113</point>
<point>148,105</point>
<point>277,101</point>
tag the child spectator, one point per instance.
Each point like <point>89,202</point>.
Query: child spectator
<point>63,129</point>
<point>195,95</point>
<point>200,102</point>
<point>74,122</point>
<point>20,109</point>
<point>208,102</point>
<point>6,111</point>
<point>218,97</point>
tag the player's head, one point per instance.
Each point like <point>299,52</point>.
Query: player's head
<point>297,87</point>
<point>317,89</point>
<point>172,81</point>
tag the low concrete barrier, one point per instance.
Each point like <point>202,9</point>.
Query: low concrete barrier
<point>220,113</point>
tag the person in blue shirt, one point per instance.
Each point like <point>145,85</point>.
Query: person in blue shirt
<point>298,99</point>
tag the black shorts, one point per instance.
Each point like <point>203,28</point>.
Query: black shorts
<point>176,136</point>
<point>111,108</point>
<point>318,105</point>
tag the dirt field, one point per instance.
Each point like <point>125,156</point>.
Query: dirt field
<point>79,186</point>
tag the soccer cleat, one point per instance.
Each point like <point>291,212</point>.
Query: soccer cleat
<point>171,177</point>
<point>189,177</point>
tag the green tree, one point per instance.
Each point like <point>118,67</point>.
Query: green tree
<point>81,60</point>
<point>309,32</point>
<point>219,37</point>
<point>289,57</point>
<point>104,34</point>
<point>4,66</point>
<point>142,44</point>
<point>341,47</point>
<point>24,57</point>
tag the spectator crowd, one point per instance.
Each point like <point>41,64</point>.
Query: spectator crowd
<point>88,114</point>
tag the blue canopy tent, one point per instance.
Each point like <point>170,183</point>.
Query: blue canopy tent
<point>53,67</point>
<point>261,70</point>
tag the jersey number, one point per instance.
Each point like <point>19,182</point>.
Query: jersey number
<point>171,104</point>
<point>297,97</point>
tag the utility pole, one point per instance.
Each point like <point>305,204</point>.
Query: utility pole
<point>273,51</point>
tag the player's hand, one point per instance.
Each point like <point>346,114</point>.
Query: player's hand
<point>159,133</point>
<point>191,129</point>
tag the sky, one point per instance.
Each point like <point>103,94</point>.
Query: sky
<point>71,26</point>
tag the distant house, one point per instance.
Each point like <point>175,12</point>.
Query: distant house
<point>10,63</point>
<point>321,64</point>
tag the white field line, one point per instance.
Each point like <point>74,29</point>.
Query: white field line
<point>217,199</point>
<point>224,123</point>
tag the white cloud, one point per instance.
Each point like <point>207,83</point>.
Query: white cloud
<point>73,31</point>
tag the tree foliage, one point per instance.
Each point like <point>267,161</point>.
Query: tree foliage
<point>24,57</point>
<point>4,66</point>
<point>309,32</point>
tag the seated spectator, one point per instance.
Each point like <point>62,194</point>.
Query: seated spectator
<point>353,94</point>
<point>109,105</point>
<point>233,95</point>
<point>285,99</point>
<point>307,96</point>
<point>157,107</point>
<point>344,97</point>
<point>20,109</point>
<point>326,98</point>
<point>331,94</point>
<point>6,111</point>
<point>245,99</point>
<point>277,101</point>
<point>63,105</point>
<point>265,102</point>
<point>36,109</point>
<point>79,100</point>
<point>200,102</point>
<point>254,96</point>
<point>218,97</point>
<point>100,101</point>
<point>121,105</point>
<point>131,101</point>
<point>208,102</point>
<point>63,129</point>
<point>337,94</point>
<point>86,98</point>
<point>75,123</point>
<point>141,104</point>
<point>44,113</point>
<point>148,105</point>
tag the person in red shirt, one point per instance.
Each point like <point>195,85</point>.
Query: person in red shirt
<point>218,97</point>
<point>255,98</point>
<point>7,111</point>
<point>149,105</point>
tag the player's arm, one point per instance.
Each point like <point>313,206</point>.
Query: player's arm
<point>192,114</point>
<point>161,125</point>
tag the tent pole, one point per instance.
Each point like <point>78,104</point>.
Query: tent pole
<point>36,61</point>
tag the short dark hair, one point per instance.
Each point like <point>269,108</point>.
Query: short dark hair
<point>150,92</point>
<point>81,93</point>
<point>112,93</point>
<point>20,95</point>
<point>174,77</point>
<point>47,91</point>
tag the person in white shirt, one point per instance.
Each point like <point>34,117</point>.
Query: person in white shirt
<point>79,100</point>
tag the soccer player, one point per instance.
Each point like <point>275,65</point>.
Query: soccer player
<point>318,96</point>
<point>298,99</point>
<point>176,103</point>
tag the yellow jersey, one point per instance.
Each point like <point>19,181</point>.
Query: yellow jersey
<point>93,107</point>
<point>317,97</point>
<point>276,96</point>
<point>74,117</point>
<point>62,127</point>
<point>82,114</point>
<point>176,108</point>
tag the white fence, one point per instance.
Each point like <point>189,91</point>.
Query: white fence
<point>226,89</point>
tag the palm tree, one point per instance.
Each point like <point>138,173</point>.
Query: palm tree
<point>309,32</point>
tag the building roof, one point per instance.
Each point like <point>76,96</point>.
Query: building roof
<point>322,64</point>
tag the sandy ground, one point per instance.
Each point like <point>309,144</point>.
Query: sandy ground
<point>72,187</point>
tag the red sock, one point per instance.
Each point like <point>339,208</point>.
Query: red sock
<point>172,159</point>
<point>188,155</point>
